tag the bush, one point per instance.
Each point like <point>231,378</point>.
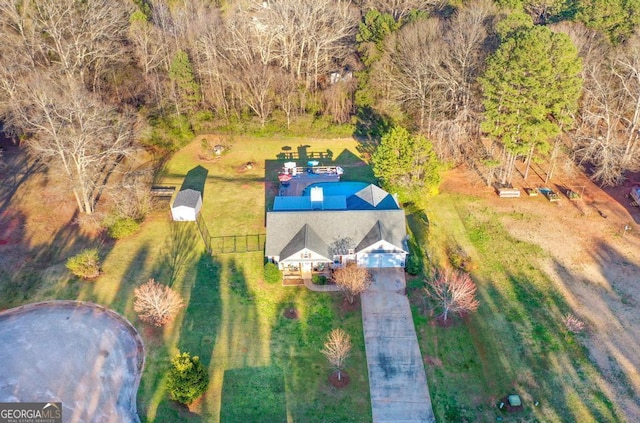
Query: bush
<point>169,133</point>
<point>156,303</point>
<point>414,265</point>
<point>86,264</point>
<point>187,379</point>
<point>272,274</point>
<point>319,279</point>
<point>122,227</point>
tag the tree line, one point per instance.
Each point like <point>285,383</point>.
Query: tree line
<point>85,83</point>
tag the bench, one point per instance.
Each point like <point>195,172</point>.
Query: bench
<point>159,191</point>
<point>508,192</point>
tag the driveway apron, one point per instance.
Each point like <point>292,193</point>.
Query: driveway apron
<point>397,379</point>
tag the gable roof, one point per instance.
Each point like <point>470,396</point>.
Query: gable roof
<point>187,198</point>
<point>335,229</point>
<point>373,236</point>
<point>371,196</point>
<point>305,238</point>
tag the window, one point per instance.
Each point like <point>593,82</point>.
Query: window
<point>351,251</point>
<point>306,255</point>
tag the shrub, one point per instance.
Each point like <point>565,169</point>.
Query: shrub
<point>156,303</point>
<point>85,264</point>
<point>319,279</point>
<point>459,259</point>
<point>122,227</point>
<point>272,274</point>
<point>169,133</point>
<point>574,324</point>
<point>414,265</point>
<point>187,379</point>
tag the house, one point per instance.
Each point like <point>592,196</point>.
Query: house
<point>335,223</point>
<point>186,206</point>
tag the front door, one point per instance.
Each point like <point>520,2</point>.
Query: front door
<point>306,266</point>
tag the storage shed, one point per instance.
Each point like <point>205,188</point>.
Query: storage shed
<point>186,206</point>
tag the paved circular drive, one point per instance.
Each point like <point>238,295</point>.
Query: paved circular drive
<point>81,354</point>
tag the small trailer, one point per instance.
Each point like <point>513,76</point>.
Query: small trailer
<point>549,193</point>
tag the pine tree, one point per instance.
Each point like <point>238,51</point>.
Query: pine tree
<point>187,379</point>
<point>184,81</point>
<point>530,91</point>
<point>407,165</point>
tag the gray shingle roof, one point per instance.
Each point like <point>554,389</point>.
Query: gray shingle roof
<point>305,238</point>
<point>188,198</point>
<point>370,197</point>
<point>333,228</point>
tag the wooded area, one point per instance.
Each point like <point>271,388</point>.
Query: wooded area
<point>85,83</point>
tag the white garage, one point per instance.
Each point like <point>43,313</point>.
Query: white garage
<point>375,260</point>
<point>186,206</point>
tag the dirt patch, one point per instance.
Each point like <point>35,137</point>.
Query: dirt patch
<point>290,313</point>
<point>508,407</point>
<point>432,361</point>
<point>591,258</point>
<point>340,383</point>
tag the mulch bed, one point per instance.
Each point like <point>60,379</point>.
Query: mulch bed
<point>293,282</point>
<point>346,306</point>
<point>440,322</point>
<point>290,313</point>
<point>339,383</point>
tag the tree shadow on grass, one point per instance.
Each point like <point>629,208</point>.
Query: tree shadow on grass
<point>199,330</point>
<point>560,364</point>
<point>180,248</point>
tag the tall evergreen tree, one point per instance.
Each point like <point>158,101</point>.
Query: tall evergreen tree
<point>407,165</point>
<point>530,91</point>
<point>184,82</point>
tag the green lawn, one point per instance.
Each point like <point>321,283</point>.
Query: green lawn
<point>263,367</point>
<point>516,342</point>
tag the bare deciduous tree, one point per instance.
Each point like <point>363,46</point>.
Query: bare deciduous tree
<point>70,128</point>
<point>429,70</point>
<point>156,303</point>
<point>352,279</point>
<point>256,89</point>
<point>337,349</point>
<point>131,195</point>
<point>84,39</point>
<point>609,119</point>
<point>454,291</point>
<point>401,9</point>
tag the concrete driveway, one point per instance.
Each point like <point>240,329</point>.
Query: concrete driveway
<point>85,356</point>
<point>397,380</point>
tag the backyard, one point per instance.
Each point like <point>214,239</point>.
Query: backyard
<point>265,367</point>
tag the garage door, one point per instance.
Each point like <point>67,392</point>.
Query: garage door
<point>381,260</point>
